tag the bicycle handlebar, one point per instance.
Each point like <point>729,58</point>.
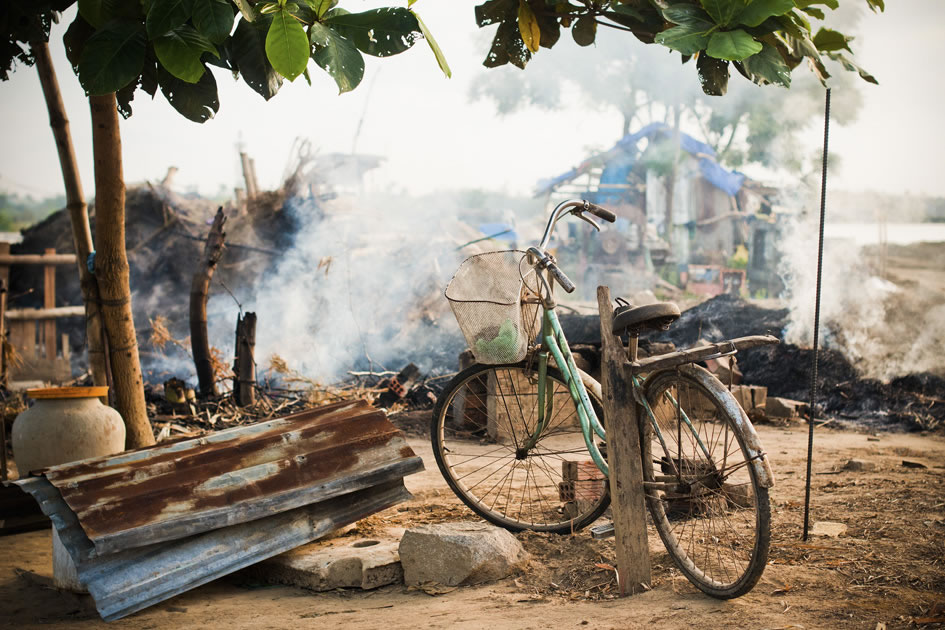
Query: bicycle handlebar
<point>603,213</point>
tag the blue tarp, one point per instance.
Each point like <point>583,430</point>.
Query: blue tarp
<point>620,159</point>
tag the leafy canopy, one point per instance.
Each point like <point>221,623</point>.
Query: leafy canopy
<point>765,40</point>
<point>124,45</point>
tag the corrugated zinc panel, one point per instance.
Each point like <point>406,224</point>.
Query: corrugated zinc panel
<point>168,492</point>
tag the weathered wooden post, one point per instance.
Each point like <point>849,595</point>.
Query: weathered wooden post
<point>244,386</point>
<point>49,301</point>
<point>623,458</point>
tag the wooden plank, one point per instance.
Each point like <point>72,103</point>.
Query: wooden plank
<point>7,259</point>
<point>32,314</point>
<point>4,266</point>
<point>623,458</point>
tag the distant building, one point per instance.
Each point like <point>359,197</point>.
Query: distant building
<point>712,211</point>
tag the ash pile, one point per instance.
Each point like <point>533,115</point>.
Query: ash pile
<point>913,401</point>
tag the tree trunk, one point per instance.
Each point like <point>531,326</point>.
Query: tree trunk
<point>111,271</point>
<point>78,211</point>
<point>199,340</point>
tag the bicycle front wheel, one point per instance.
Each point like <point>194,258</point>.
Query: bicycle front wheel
<point>488,446</point>
<point>702,487</point>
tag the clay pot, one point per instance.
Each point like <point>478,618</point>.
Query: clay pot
<point>65,424</point>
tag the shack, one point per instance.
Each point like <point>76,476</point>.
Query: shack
<point>676,207</point>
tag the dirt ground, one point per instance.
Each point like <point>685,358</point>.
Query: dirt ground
<point>887,568</point>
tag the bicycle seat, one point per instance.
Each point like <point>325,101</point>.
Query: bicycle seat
<point>633,319</point>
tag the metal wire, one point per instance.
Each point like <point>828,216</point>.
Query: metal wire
<point>813,369</point>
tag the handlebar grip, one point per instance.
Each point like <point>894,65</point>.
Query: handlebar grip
<point>598,211</point>
<point>562,279</point>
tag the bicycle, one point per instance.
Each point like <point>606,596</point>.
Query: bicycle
<point>519,435</point>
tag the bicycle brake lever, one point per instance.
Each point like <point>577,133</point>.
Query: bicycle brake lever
<point>588,219</point>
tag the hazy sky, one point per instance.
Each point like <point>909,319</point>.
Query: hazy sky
<point>433,138</point>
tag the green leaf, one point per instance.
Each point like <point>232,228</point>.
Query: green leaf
<point>584,30</point>
<point>852,67</point>
<point>179,52</point>
<point>93,12</point>
<point>437,52</point>
<point>688,15</point>
<point>75,38</point>
<point>760,10</point>
<point>338,57</point>
<point>817,13</point>
<point>495,11</point>
<point>528,26</point>
<point>732,45</point>
<point>249,57</point>
<point>378,32</point>
<point>213,18</point>
<point>626,9</point>
<point>713,75</point>
<point>768,67</point>
<point>723,12</point>
<point>195,101</point>
<point>507,47</point>
<point>287,45</point>
<point>112,57</point>
<point>165,15</point>
<point>685,39</point>
<point>827,40</point>
<point>322,7</point>
<point>876,4</point>
<point>803,4</point>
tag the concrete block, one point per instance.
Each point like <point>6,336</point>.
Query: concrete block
<point>750,396</point>
<point>364,563</point>
<point>459,553</point>
<point>784,407</point>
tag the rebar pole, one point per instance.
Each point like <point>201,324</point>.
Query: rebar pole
<point>813,369</point>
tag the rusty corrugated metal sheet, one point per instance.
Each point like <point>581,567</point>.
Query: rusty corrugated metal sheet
<point>145,525</point>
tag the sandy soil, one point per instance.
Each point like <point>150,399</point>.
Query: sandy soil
<point>888,568</point>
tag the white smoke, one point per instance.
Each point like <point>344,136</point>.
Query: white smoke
<point>884,329</point>
<point>361,288</point>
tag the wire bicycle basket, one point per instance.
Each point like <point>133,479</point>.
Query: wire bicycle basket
<point>494,297</point>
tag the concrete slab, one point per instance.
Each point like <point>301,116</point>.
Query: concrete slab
<point>364,563</point>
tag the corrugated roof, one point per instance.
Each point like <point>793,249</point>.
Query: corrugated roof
<point>145,525</point>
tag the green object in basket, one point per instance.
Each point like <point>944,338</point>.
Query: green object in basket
<point>503,348</point>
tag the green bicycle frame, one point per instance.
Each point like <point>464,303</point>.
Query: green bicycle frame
<point>556,344</point>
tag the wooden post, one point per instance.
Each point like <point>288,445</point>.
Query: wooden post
<point>49,301</point>
<point>623,458</point>
<point>244,388</point>
<point>248,177</point>
<point>3,344</point>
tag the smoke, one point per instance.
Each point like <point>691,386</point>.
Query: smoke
<point>886,329</point>
<point>360,288</point>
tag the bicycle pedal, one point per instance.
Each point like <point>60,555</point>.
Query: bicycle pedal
<point>602,531</point>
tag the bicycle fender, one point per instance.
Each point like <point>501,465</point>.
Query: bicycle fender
<point>759,459</point>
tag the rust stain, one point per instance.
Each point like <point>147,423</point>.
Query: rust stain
<point>164,483</point>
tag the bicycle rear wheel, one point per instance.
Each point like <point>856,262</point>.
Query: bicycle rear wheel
<point>481,424</point>
<point>702,487</point>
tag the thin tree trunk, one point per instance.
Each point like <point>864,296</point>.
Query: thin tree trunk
<point>111,271</point>
<point>199,289</point>
<point>78,211</point>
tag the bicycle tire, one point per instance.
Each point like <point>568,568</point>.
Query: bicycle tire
<point>477,427</point>
<point>711,512</point>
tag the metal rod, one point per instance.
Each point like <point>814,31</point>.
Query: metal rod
<point>813,369</point>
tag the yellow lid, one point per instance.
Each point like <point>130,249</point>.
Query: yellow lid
<point>46,393</point>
